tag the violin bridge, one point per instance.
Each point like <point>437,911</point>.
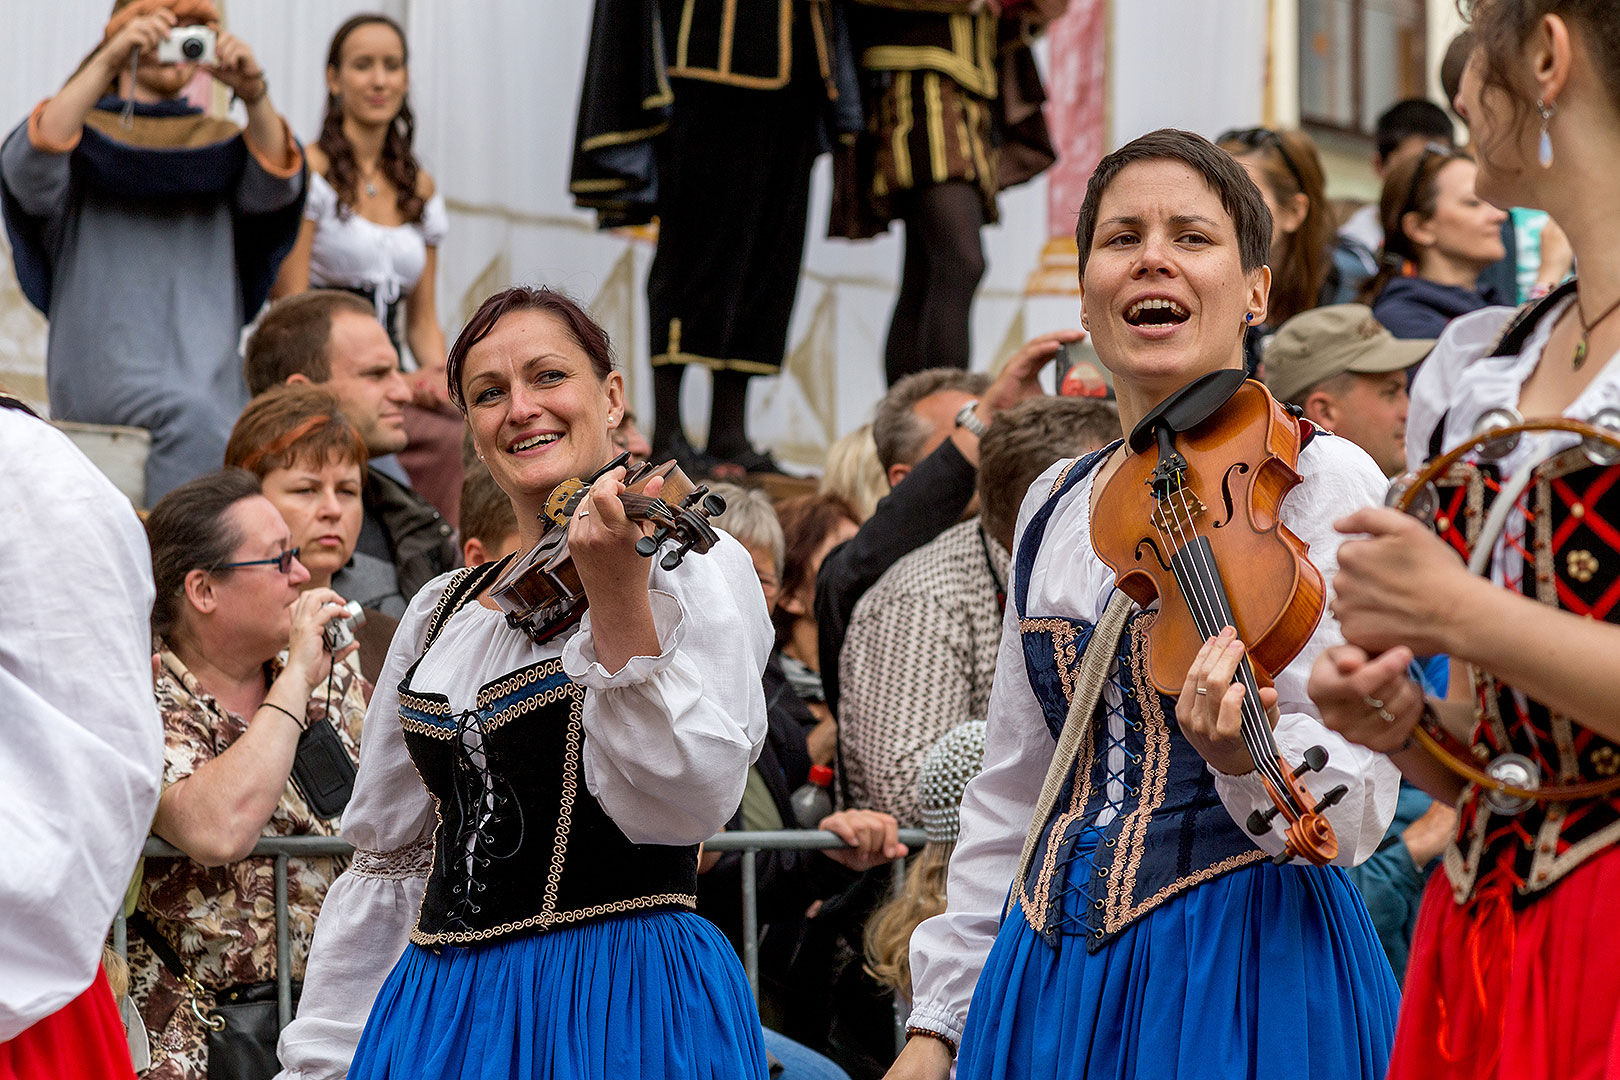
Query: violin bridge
<point>560,503</point>
<point>1184,504</point>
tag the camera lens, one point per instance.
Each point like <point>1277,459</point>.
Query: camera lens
<point>191,48</point>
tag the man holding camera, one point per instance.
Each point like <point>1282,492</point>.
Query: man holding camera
<point>149,232</point>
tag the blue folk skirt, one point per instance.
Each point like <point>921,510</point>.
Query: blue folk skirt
<point>1267,972</point>
<point>650,995</point>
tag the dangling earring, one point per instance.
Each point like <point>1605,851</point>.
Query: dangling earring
<point>1545,151</point>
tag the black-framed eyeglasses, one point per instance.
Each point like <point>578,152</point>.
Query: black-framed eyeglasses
<point>1257,137</point>
<point>282,562</point>
<point>1430,149</point>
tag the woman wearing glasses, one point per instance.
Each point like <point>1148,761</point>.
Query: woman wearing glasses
<point>1514,970</point>
<point>1439,236</point>
<point>242,667</point>
<point>312,463</point>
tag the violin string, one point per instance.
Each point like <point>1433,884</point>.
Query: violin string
<point>1256,729</point>
<point>1205,609</point>
<point>1204,578</point>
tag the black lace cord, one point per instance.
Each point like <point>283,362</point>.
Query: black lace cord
<point>473,839</point>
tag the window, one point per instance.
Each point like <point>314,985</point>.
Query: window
<point>1357,58</point>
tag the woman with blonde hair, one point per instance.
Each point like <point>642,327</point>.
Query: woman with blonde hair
<point>954,760</point>
<point>854,473</point>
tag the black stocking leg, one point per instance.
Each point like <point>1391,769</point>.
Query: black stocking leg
<point>728,417</point>
<point>944,263</point>
<point>666,409</point>
<point>902,354</point>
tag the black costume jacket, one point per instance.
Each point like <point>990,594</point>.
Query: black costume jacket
<point>641,49</point>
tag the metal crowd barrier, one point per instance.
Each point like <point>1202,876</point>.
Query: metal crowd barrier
<point>750,844</point>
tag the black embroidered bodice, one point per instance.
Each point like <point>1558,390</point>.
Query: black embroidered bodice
<point>521,845</point>
<point>1138,819</point>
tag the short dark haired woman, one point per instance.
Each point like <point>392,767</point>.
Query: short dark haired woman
<point>1513,969</point>
<point>1148,932</point>
<point>244,679</point>
<point>528,813</point>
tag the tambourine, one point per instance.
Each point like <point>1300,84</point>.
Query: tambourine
<point>1509,783</point>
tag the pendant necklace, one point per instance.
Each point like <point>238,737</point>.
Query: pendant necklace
<point>1587,328</point>
<point>370,178</point>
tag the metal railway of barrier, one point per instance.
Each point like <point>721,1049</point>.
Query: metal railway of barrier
<point>750,844</point>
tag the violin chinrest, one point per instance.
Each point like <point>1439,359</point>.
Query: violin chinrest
<point>1188,407</point>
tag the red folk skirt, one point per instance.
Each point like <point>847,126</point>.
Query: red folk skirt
<point>1515,995</point>
<point>83,1040</point>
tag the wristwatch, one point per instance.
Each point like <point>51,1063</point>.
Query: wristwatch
<point>967,418</point>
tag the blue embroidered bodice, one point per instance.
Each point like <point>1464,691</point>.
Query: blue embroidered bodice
<point>1138,819</point>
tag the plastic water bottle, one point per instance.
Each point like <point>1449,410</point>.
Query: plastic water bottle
<point>813,801</point>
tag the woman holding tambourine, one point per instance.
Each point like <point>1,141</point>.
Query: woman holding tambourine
<point>1508,561</point>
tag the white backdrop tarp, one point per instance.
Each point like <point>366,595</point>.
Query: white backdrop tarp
<point>494,86</point>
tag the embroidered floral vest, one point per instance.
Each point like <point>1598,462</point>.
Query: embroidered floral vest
<point>1138,820</point>
<point>1570,551</point>
<point>521,846</point>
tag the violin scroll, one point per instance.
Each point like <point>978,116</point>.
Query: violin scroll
<point>540,590</point>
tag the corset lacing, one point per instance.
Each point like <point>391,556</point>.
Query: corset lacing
<point>1121,774</point>
<point>486,809</point>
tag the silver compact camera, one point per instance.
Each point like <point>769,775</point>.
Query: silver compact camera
<point>187,45</point>
<point>339,633</point>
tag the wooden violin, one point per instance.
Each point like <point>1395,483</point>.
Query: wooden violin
<point>1200,490</point>
<point>540,591</point>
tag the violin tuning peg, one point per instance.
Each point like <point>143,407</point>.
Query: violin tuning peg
<point>648,546</point>
<point>714,505</point>
<point>1260,821</point>
<point>694,496</point>
<point>1282,858</point>
<point>1315,759</point>
<point>673,558</point>
<point>1331,798</point>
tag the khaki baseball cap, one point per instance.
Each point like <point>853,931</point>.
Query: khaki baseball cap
<point>1318,344</point>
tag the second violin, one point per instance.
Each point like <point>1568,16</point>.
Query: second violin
<point>1200,490</point>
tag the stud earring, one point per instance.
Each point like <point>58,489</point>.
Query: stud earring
<point>1248,317</point>
<point>1544,150</point>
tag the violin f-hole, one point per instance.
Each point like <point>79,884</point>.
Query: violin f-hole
<point>1152,545</point>
<point>1239,468</point>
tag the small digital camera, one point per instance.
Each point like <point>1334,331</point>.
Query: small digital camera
<point>339,633</point>
<point>187,45</point>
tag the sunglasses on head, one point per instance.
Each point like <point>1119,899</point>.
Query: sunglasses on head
<point>1256,138</point>
<point>1431,149</point>
<point>282,562</point>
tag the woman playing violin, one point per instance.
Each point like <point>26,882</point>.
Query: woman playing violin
<point>1512,970</point>
<point>1147,932</point>
<point>527,815</point>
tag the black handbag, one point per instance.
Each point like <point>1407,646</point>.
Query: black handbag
<point>322,770</point>
<point>242,1022</point>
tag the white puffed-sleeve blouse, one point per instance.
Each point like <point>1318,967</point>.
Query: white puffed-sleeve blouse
<point>668,743</point>
<point>948,951</point>
<point>353,253</point>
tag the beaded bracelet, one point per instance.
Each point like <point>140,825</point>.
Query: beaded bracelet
<point>929,1033</point>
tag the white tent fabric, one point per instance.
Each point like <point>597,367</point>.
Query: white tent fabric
<point>494,87</point>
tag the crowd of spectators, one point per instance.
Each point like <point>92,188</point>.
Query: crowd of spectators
<point>345,479</point>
